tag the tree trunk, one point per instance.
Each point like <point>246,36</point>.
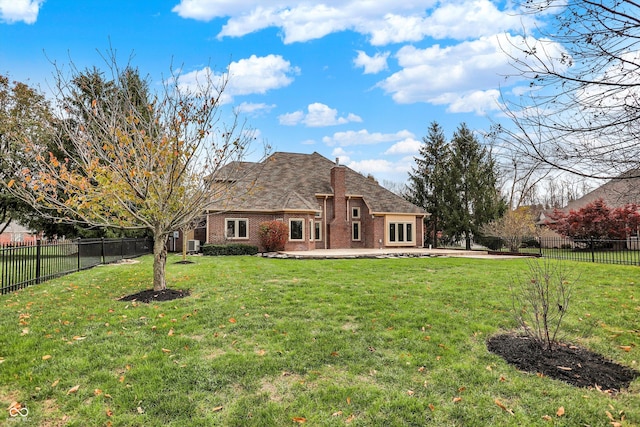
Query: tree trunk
<point>159,262</point>
<point>468,241</point>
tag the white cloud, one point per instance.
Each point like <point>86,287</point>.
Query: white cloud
<point>406,146</point>
<point>342,155</point>
<point>458,75</point>
<point>363,137</point>
<point>318,115</point>
<point>19,10</point>
<point>383,21</point>
<point>253,75</point>
<point>372,166</point>
<point>254,108</point>
<point>291,119</point>
<point>372,64</point>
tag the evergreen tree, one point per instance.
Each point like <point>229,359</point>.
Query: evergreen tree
<point>471,194</point>
<point>428,179</point>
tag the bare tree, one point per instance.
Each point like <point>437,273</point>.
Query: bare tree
<point>133,159</point>
<point>582,111</point>
<point>513,227</point>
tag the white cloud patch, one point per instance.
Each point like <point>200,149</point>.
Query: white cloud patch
<point>383,21</point>
<point>363,137</point>
<point>406,146</point>
<point>254,108</point>
<point>12,11</point>
<point>318,115</point>
<point>253,75</point>
<point>372,64</point>
<point>372,166</point>
<point>342,155</point>
<point>457,75</point>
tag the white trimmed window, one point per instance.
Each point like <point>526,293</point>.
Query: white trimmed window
<point>317,231</point>
<point>355,212</point>
<point>237,228</point>
<point>296,229</point>
<point>355,231</point>
<point>400,232</point>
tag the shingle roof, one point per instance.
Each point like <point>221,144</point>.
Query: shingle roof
<point>615,193</point>
<point>291,181</point>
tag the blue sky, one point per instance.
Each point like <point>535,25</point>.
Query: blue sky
<point>356,79</point>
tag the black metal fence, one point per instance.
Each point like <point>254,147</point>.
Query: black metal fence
<point>626,251</point>
<point>30,264</point>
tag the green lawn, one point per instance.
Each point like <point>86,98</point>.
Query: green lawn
<point>277,342</point>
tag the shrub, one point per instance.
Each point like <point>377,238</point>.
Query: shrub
<point>541,300</point>
<point>273,235</point>
<point>230,249</point>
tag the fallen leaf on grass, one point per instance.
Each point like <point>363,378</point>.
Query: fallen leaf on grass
<point>560,411</point>
<point>170,333</point>
<point>55,383</point>
<point>97,392</point>
<point>46,357</point>
<point>166,350</point>
<point>351,418</point>
<point>299,420</point>
<point>626,348</point>
<point>140,410</point>
<point>73,389</point>
<point>457,399</point>
<point>504,408</point>
<point>79,338</point>
<point>232,320</point>
<point>433,408</point>
<point>547,418</point>
<point>109,412</point>
<point>1,360</point>
<point>217,408</point>
<point>336,414</point>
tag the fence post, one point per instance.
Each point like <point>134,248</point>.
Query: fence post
<point>79,257</point>
<point>593,254</point>
<point>540,246</point>
<point>102,250</point>
<point>38,259</point>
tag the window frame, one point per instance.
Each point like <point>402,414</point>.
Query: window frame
<point>317,231</point>
<point>236,222</point>
<point>355,225</point>
<point>355,212</point>
<point>302,227</point>
<point>400,233</point>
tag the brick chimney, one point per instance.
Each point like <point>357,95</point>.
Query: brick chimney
<point>339,230</point>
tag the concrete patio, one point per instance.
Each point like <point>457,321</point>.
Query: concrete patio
<point>384,253</point>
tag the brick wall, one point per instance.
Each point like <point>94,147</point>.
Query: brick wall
<point>339,227</point>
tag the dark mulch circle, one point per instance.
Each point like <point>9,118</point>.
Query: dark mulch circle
<point>184,262</point>
<point>150,295</point>
<point>568,363</point>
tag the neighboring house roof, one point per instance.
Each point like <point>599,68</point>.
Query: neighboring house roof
<point>615,193</point>
<point>292,181</point>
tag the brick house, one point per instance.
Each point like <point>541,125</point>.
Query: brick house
<point>325,205</point>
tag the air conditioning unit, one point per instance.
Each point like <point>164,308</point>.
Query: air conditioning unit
<point>193,245</point>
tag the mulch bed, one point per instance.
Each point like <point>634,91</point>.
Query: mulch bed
<point>150,295</point>
<point>571,364</point>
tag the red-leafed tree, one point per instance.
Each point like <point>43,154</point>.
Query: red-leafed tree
<point>596,221</point>
<point>273,235</point>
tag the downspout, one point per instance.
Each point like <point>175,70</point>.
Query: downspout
<point>324,223</point>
